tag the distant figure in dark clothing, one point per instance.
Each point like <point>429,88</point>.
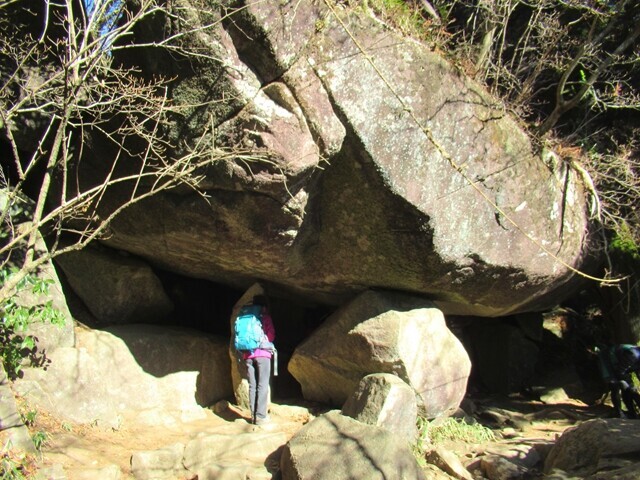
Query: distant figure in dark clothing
<point>617,363</point>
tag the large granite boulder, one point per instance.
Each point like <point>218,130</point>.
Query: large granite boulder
<point>367,160</point>
<point>161,375</point>
<point>384,333</point>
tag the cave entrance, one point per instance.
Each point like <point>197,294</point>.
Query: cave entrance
<point>206,306</point>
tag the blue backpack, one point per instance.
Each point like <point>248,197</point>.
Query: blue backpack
<point>248,332</point>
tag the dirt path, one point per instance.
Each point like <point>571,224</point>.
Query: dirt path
<point>82,449</point>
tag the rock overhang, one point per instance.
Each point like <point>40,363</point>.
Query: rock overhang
<point>405,193</point>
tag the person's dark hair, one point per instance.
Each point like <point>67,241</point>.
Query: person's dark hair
<point>260,300</point>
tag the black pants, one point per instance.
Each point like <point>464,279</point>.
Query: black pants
<point>619,387</point>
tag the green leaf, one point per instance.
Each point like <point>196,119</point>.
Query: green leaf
<point>28,342</point>
<point>41,286</point>
<point>15,319</point>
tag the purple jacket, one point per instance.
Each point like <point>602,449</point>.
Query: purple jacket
<point>270,332</point>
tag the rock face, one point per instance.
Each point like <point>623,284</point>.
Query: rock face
<point>335,446</point>
<point>384,333</point>
<point>115,288</point>
<point>14,434</point>
<point>165,463</point>
<point>204,456</point>
<point>166,351</point>
<point>369,162</point>
<point>49,336</point>
<point>159,374</point>
<point>209,456</point>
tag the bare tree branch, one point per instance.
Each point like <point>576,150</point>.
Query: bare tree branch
<point>563,104</point>
<point>61,85</point>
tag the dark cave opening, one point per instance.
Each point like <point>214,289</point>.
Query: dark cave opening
<point>199,304</point>
<point>207,306</point>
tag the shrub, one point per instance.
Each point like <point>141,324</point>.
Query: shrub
<point>456,429</point>
<point>16,344</point>
<point>623,244</point>
<point>14,466</point>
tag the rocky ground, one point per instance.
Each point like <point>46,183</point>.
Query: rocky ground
<point>524,431</point>
<point>90,451</point>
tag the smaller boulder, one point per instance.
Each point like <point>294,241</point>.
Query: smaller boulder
<point>498,468</point>
<point>384,332</point>
<point>448,462</point>
<point>335,446</point>
<point>384,400</point>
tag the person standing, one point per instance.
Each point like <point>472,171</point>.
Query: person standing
<point>616,364</point>
<point>258,366</point>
